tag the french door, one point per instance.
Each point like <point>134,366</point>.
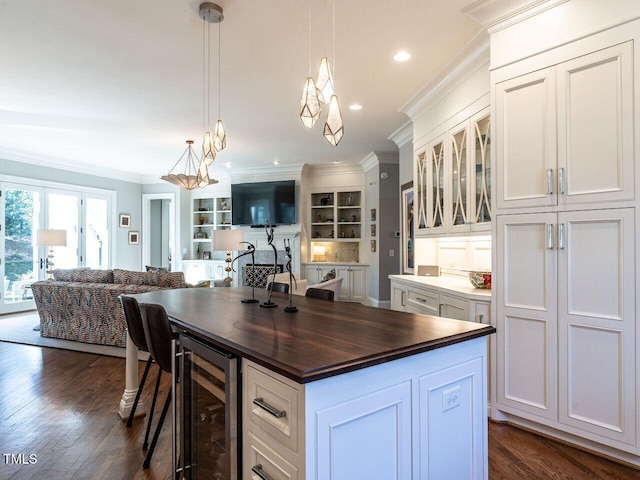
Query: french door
<point>24,209</point>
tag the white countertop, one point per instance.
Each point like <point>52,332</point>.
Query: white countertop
<point>451,285</point>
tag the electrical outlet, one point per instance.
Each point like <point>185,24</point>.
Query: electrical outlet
<point>450,398</point>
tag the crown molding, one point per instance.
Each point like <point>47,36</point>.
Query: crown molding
<point>59,164</point>
<point>496,15</point>
<point>403,135</point>
<point>461,66</point>
<point>333,169</point>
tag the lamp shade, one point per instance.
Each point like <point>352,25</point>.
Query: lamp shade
<point>227,240</point>
<point>51,238</point>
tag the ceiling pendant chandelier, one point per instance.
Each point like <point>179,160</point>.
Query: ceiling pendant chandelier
<point>211,144</point>
<point>322,91</point>
<point>333,127</point>
<point>193,175</point>
<point>309,104</point>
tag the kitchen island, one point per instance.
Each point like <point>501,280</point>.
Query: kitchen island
<point>369,393</point>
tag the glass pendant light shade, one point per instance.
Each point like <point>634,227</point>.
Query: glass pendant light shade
<point>219,137</point>
<point>192,175</point>
<point>309,104</point>
<point>208,149</point>
<point>334,128</point>
<point>324,85</point>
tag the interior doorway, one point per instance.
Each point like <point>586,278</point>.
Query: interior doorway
<point>158,230</point>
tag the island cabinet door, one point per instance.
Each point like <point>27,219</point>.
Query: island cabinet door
<point>451,418</point>
<point>368,436</point>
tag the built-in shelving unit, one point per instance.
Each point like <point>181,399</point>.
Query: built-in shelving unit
<point>336,215</point>
<point>208,214</point>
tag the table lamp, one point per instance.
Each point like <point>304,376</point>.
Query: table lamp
<point>50,238</point>
<point>227,241</point>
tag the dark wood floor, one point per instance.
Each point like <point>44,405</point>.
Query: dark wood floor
<point>59,408</point>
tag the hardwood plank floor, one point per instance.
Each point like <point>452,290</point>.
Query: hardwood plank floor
<point>60,408</point>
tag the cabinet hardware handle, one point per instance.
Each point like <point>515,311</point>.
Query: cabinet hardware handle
<point>403,298</point>
<point>257,469</point>
<point>440,309</point>
<point>561,236</point>
<point>561,181</point>
<point>550,181</point>
<point>550,236</point>
<point>481,318</point>
<point>420,299</point>
<point>268,408</point>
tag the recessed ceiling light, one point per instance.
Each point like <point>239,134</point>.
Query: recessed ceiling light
<point>228,164</point>
<point>276,162</point>
<point>402,56</point>
<point>355,106</point>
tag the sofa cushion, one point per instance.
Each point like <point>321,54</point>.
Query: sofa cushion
<point>156,279</point>
<point>83,275</point>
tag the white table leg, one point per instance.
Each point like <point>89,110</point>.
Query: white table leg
<point>130,382</point>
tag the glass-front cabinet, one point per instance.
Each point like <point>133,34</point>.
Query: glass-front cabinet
<point>452,178</point>
<point>481,172</point>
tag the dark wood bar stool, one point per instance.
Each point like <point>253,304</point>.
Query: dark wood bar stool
<point>159,336</point>
<point>136,332</point>
<point>320,293</point>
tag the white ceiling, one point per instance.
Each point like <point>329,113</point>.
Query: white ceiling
<point>118,83</point>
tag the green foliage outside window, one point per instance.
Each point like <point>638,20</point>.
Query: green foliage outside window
<point>18,234</point>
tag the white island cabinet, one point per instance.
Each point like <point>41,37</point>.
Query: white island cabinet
<point>422,416</point>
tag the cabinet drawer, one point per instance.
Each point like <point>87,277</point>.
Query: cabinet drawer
<point>273,406</point>
<point>453,307</point>
<point>422,301</point>
<point>258,458</point>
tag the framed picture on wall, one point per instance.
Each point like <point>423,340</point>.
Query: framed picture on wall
<point>134,238</point>
<point>407,236</point>
<point>125,220</point>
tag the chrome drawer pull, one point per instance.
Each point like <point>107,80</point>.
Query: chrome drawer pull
<point>276,413</point>
<point>420,299</point>
<point>257,469</point>
<point>550,181</point>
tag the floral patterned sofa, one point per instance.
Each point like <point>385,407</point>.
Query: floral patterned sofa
<point>83,304</point>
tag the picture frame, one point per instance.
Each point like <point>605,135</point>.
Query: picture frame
<point>373,214</point>
<point>134,238</point>
<point>373,246</point>
<point>206,255</point>
<point>373,230</point>
<point>125,220</point>
<point>407,232</point>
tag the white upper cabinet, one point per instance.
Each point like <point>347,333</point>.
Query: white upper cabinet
<point>566,132</point>
<point>453,186</point>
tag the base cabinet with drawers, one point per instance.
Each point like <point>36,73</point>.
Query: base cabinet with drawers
<point>440,297</point>
<point>422,416</point>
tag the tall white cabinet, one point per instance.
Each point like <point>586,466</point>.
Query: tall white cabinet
<point>565,242</point>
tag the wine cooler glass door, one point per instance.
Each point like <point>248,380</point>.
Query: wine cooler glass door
<point>209,417</point>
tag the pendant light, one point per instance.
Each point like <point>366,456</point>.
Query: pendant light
<point>210,13</point>
<point>220,136</point>
<point>309,104</point>
<point>333,127</point>
<point>325,81</point>
<point>193,175</point>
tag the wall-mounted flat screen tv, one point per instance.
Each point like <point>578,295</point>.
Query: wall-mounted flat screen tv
<point>255,203</point>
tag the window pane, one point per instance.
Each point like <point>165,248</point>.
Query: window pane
<point>97,233</point>
<point>21,220</point>
<point>63,215</point>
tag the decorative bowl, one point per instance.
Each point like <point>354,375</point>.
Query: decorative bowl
<point>480,279</point>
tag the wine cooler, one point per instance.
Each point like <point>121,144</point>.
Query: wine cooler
<point>208,412</point>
